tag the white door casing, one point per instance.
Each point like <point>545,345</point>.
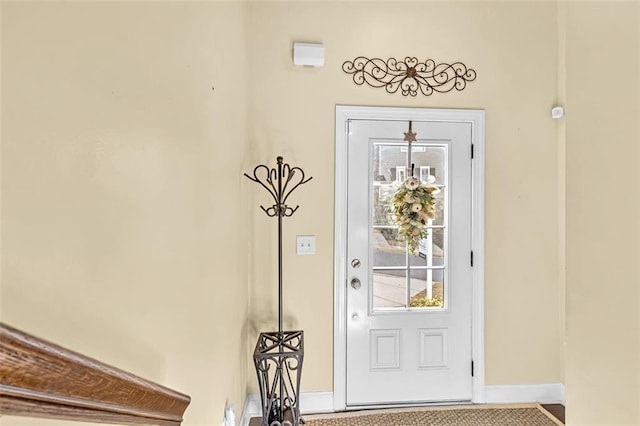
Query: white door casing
<point>397,373</point>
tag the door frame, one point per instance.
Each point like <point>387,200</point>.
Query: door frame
<point>477,120</point>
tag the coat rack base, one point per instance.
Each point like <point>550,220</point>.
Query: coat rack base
<point>278,359</point>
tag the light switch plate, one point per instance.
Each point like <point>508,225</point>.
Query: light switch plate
<point>305,244</point>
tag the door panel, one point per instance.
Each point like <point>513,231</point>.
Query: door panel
<point>409,323</point>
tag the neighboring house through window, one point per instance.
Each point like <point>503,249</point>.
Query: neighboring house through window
<point>425,171</point>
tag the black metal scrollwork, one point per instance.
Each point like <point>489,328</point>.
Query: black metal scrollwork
<point>280,182</point>
<point>278,355</point>
<point>278,360</point>
<point>276,181</point>
<point>409,76</point>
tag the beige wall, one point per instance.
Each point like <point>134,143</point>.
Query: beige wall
<point>130,235</point>
<point>562,184</point>
<point>291,112</point>
<point>602,136</point>
<point>123,204</point>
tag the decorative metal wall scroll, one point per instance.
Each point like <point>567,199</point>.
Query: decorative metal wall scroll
<point>409,76</point>
<point>278,355</point>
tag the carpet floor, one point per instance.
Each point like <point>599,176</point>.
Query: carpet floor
<point>505,415</point>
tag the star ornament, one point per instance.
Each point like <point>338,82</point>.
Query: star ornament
<point>410,136</point>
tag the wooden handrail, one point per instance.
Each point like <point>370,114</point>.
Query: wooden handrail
<point>41,379</point>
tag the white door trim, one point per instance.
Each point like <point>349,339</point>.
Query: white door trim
<point>476,118</point>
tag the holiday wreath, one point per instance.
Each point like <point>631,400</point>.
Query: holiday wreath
<point>413,205</point>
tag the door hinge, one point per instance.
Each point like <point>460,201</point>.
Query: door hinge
<point>471,368</point>
<point>472,258</point>
<point>472,151</point>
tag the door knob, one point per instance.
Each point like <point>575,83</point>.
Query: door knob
<point>355,317</point>
<point>355,283</point>
<point>355,263</point>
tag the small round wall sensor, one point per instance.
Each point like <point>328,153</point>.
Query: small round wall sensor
<point>557,112</point>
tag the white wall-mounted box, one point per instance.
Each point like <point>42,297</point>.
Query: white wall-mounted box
<point>308,54</point>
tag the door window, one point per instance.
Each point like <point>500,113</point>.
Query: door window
<point>402,281</point>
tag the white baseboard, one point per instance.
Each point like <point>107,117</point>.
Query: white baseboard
<point>310,402</point>
<point>322,402</point>
<point>544,393</point>
<point>251,409</point>
<point>316,402</point>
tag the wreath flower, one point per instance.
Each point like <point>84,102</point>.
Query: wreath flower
<point>413,205</point>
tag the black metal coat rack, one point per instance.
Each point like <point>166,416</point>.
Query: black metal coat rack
<point>278,355</point>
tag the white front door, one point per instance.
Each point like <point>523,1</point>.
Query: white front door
<point>408,317</point>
